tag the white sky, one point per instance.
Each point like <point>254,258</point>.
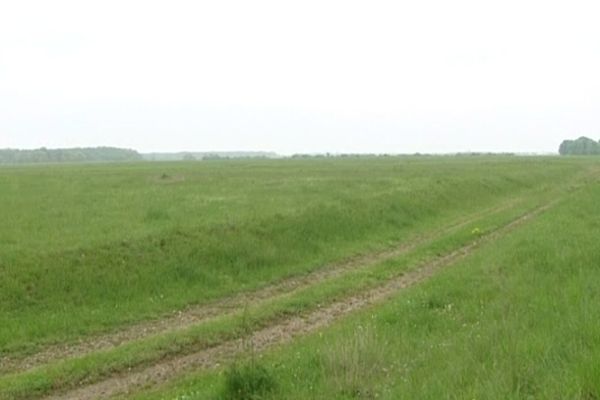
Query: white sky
<point>302,76</point>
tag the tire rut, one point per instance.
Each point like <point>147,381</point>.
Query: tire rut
<point>197,314</point>
<point>283,331</point>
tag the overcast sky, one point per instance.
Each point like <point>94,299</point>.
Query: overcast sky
<point>302,76</point>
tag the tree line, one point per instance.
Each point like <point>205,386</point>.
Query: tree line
<point>84,154</point>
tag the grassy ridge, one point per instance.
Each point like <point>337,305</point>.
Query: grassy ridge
<point>69,373</point>
<point>515,320</point>
<point>87,248</point>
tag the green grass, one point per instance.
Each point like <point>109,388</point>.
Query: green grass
<point>90,248</point>
<point>515,320</point>
<point>90,368</point>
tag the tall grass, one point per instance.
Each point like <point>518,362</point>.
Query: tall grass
<point>354,363</point>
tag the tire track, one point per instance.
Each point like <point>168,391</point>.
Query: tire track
<point>285,330</point>
<point>181,320</point>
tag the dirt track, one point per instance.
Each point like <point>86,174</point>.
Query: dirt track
<point>282,331</point>
<point>186,318</point>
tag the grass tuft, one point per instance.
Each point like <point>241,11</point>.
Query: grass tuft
<point>352,364</point>
<point>248,381</point>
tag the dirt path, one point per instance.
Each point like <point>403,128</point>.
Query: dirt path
<point>281,332</point>
<point>194,315</point>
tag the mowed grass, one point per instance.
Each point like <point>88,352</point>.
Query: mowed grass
<point>517,319</point>
<point>87,248</point>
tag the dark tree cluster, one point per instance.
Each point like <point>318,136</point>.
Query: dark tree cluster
<point>88,154</point>
<point>579,147</point>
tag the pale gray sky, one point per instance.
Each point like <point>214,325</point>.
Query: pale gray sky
<point>302,76</point>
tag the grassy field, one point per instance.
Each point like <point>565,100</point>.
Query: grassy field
<point>112,269</point>
<point>515,320</point>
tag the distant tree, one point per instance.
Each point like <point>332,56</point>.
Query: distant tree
<point>189,157</point>
<point>580,146</point>
<point>213,156</point>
